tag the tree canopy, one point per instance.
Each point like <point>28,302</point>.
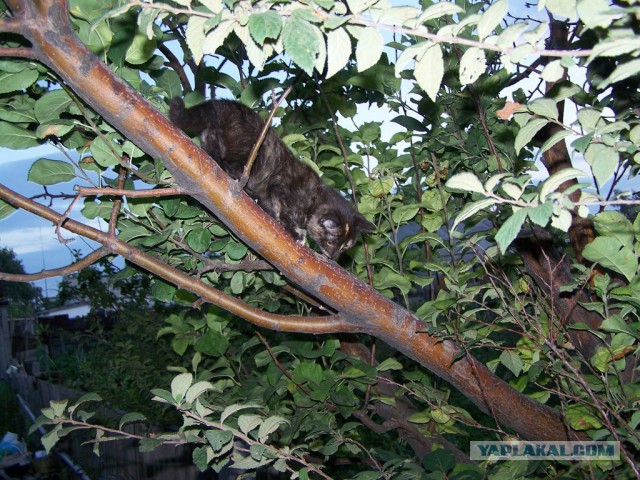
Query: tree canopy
<point>498,296</point>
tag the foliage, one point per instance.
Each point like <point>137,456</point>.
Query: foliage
<point>455,183</point>
<point>24,299</point>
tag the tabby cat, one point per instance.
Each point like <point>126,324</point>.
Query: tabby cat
<point>287,189</point>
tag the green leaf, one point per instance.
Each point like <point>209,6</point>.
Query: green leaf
<point>194,35</point>
<point>562,8</point>
<point>140,50</point>
<point>510,229</point>
<point>596,13</point>
<point>614,224</point>
<point>50,172</point>
<point>301,43</point>
<point>491,18</point>
<point>200,458</point>
<point>580,418</point>
<point>308,372</point>
<point>51,438</point>
<point>179,386</point>
<point>603,160</point>
<point>131,418</point>
<point>198,389</point>
<point>527,132</point>
<point>6,209</point>
<point>17,81</point>
<point>610,253</point>
<point>17,138</point>
<point>404,213</point>
<point>553,139</point>
<point>338,51</point>
<point>557,179</point>
<point>410,123</point>
<point>471,209</point>
<point>369,48</point>
<point>429,71</point>
<point>149,444</point>
<point>199,239</point>
<point>105,155</point>
<point>438,10</point>
<point>420,417</point>
<point>622,72</point>
<point>387,279</point>
<point>541,214</point>
<point>357,6</point>
<point>236,407</point>
<point>180,344</point>
<point>248,463</point>
<point>269,426</point>
<point>512,361</point>
<point>616,324</point>
<point>236,251</point>
<point>545,107</point>
<point>265,25</point>
<point>162,396</point>
<point>56,130</point>
<point>49,106</point>
<point>380,187</point>
<point>389,364</point>
<point>212,343</point>
<point>589,118</point>
<point>472,64</point>
<point>465,181</point>
<point>246,423</point>
<point>215,39</point>
<point>218,439</point>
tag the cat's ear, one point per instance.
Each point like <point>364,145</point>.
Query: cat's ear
<point>363,225</point>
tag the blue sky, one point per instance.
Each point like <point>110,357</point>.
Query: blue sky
<point>33,239</point>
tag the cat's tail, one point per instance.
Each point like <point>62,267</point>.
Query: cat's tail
<point>188,119</point>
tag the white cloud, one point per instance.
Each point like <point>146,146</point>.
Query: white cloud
<point>31,239</point>
<point>28,240</point>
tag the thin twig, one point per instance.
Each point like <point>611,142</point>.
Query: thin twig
<point>352,183</point>
<point>254,151</point>
<point>119,192</point>
<point>57,272</point>
<point>286,373</point>
<point>63,219</point>
<point>117,203</point>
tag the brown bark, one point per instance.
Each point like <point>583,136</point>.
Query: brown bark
<point>46,25</point>
<point>539,254</point>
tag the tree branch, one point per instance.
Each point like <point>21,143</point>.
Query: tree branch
<point>267,125</point>
<point>57,272</point>
<point>117,192</point>
<point>21,52</point>
<point>360,307</point>
<point>325,324</point>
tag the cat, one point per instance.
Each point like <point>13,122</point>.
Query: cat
<point>287,189</point>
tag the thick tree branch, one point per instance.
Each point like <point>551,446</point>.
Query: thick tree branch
<point>361,308</point>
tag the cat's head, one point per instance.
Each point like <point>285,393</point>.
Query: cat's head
<point>336,229</point>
